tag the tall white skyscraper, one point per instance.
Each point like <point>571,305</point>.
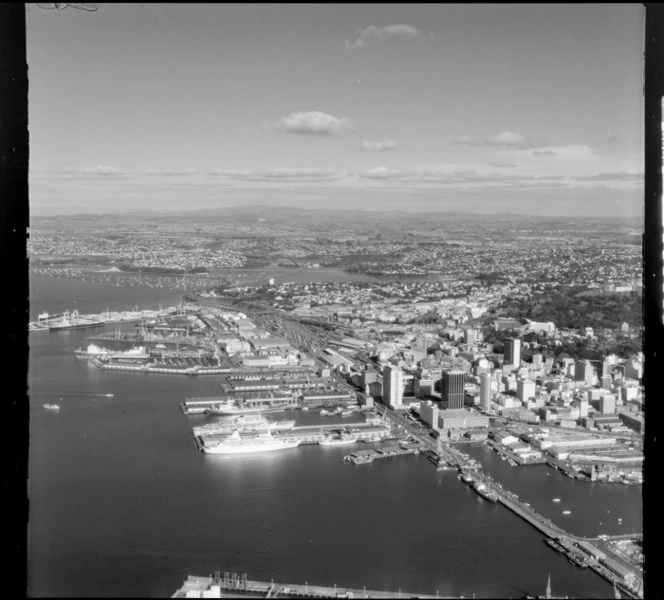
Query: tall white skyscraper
<point>485,391</point>
<point>392,387</point>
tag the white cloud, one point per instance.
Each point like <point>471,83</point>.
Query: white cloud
<point>314,123</point>
<point>280,175</point>
<point>378,34</point>
<point>502,165</point>
<point>506,138</point>
<point>464,140</point>
<point>385,146</point>
<point>619,176</point>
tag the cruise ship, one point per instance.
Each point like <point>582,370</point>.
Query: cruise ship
<point>94,350</point>
<point>250,422</point>
<point>240,444</point>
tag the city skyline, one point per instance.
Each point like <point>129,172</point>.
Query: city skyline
<point>528,109</point>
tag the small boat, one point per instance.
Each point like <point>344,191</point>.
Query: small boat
<point>52,406</point>
<point>556,499</point>
<point>567,512</point>
<point>330,441</point>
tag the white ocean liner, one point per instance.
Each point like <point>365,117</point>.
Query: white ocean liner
<point>240,444</point>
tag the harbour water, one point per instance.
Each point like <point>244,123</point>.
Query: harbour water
<point>122,504</point>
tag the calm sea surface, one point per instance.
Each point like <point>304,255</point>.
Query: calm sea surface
<point>122,504</point>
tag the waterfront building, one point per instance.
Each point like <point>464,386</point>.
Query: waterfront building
<point>392,386</point>
<point>485,391</point>
<point>513,352</point>
<point>460,419</point>
<point>452,388</point>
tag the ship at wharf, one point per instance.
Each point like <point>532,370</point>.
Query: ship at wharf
<point>311,435</point>
<point>201,405</point>
<point>172,366</point>
<point>232,585</point>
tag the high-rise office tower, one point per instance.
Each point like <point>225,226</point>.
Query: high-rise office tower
<point>470,337</point>
<point>607,404</point>
<point>513,352</point>
<point>525,389</point>
<point>485,391</point>
<point>392,387</point>
<point>452,388</point>
<point>583,371</point>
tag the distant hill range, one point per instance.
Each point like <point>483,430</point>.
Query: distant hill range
<point>316,218</point>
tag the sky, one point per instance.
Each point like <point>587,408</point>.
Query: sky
<point>479,108</point>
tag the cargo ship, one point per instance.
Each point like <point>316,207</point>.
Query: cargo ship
<point>70,321</point>
<point>485,492</point>
<point>231,408</point>
<point>240,444</point>
<point>243,423</point>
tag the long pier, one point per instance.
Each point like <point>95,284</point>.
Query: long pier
<point>233,586</point>
<point>618,571</point>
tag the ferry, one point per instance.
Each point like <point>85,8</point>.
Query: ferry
<point>52,406</point>
<point>238,444</point>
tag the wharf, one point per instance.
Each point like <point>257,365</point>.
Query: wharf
<point>513,456</point>
<point>628,579</point>
<point>391,451</point>
<point>236,587</point>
